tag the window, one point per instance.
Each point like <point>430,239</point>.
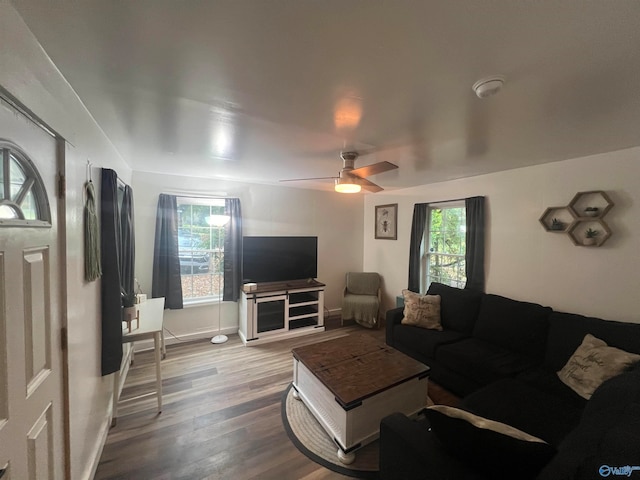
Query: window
<point>23,200</point>
<point>201,248</point>
<point>444,259</point>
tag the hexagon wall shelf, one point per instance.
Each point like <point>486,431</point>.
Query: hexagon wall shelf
<point>585,211</point>
<point>564,215</point>
<point>583,204</point>
<point>577,232</point>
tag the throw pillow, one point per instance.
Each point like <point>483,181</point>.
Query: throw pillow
<point>592,363</point>
<point>421,310</point>
<point>493,448</point>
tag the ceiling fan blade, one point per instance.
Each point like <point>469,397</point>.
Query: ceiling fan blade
<point>312,178</point>
<point>367,185</point>
<point>373,169</point>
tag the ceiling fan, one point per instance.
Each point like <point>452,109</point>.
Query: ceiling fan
<point>350,179</point>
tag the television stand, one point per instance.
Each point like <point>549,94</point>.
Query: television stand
<point>279,310</point>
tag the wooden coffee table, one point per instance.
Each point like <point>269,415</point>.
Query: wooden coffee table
<point>351,383</point>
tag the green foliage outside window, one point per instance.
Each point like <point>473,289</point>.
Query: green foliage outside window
<point>192,221</point>
<point>446,246</point>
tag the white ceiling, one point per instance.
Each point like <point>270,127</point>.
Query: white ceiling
<point>265,90</point>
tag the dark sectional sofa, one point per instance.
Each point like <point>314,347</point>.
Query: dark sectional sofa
<point>501,356</point>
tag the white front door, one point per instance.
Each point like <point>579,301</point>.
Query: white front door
<point>32,442</point>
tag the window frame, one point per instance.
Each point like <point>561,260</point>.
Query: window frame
<point>425,274</point>
<point>212,251</point>
<point>32,183</point>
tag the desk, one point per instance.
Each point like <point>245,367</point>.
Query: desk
<point>151,324</point>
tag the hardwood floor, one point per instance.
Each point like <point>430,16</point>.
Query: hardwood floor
<point>221,415</point>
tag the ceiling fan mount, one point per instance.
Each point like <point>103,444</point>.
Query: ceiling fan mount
<point>351,179</point>
<point>349,156</point>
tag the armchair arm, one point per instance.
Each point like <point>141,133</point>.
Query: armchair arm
<point>394,317</point>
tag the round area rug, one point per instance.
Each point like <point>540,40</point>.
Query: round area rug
<point>310,438</point>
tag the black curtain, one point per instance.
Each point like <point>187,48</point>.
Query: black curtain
<point>166,280</point>
<point>418,225</point>
<point>474,257</point>
<point>110,258</point>
<point>232,250</point>
<point>128,249</point>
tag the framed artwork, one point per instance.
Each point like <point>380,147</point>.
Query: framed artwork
<point>386,226</point>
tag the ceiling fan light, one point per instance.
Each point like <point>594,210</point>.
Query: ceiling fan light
<point>346,186</point>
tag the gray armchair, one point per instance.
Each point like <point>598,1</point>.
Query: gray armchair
<point>361,298</point>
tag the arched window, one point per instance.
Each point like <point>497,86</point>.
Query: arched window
<point>23,198</point>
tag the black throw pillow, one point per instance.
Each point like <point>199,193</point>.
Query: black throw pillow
<point>497,450</point>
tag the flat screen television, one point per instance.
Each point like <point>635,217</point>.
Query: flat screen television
<point>279,259</point>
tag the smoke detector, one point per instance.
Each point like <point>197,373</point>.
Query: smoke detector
<point>488,86</point>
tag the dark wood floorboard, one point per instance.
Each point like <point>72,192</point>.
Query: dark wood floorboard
<point>221,415</point>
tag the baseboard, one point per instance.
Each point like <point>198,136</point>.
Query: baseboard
<point>90,472</point>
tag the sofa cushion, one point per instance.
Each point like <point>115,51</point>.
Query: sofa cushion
<point>524,407</point>
<point>458,308</point>
<point>546,381</point>
<point>592,363</point>
<point>518,326</point>
<point>496,449</point>
<point>424,341</point>
<point>482,361</point>
<point>619,447</point>
<point>410,450</point>
<point>615,394</point>
<point>608,434</point>
<point>421,310</point>
<point>567,330</point>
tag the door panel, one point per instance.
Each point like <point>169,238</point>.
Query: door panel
<point>37,325</point>
<point>40,450</point>
<point>31,394</point>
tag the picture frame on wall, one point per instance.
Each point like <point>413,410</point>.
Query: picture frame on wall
<point>386,222</point>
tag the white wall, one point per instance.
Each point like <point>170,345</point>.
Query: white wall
<point>29,75</point>
<point>523,261</point>
<point>266,210</point>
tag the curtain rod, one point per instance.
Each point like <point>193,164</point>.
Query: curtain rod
<point>446,201</point>
<point>197,195</point>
